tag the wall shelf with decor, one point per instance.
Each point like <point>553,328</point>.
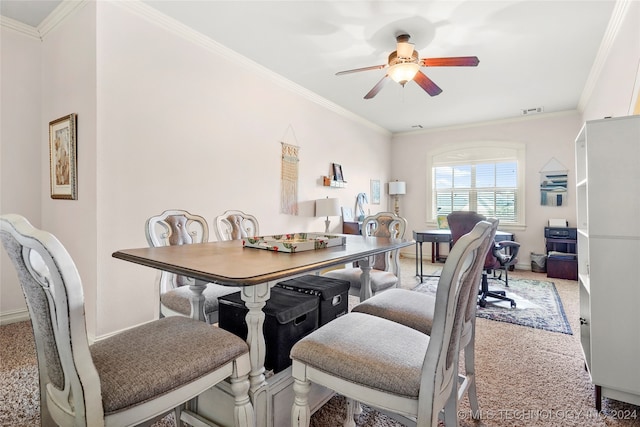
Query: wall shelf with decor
<point>328,182</point>
<point>335,178</point>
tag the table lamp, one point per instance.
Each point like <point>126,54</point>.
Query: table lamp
<point>327,207</point>
<point>397,188</point>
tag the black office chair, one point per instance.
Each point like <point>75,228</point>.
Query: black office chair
<point>501,256</point>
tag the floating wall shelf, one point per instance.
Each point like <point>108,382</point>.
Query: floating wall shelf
<point>328,182</point>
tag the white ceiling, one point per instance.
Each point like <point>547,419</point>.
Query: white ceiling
<point>532,53</point>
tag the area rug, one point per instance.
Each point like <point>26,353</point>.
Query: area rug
<point>538,304</point>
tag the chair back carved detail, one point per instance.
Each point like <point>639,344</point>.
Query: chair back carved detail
<point>175,227</point>
<point>236,225</point>
<point>385,224</point>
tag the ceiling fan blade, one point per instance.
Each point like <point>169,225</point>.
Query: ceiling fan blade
<point>427,84</point>
<point>464,61</point>
<point>373,92</point>
<point>357,70</point>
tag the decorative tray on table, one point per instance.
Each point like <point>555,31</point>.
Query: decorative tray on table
<point>294,242</point>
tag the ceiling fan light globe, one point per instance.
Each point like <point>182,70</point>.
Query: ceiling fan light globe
<point>402,73</point>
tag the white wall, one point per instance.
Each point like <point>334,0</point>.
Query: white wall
<point>68,86</point>
<point>545,137</point>
<point>21,147</point>
<point>182,127</point>
<point>612,94</point>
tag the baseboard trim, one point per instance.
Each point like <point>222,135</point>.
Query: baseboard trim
<point>14,316</point>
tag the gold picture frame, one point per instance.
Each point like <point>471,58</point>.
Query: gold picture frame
<point>62,158</point>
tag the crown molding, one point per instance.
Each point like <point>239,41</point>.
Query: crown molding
<point>59,14</point>
<point>491,122</point>
<point>617,17</point>
<point>19,27</point>
<point>154,16</point>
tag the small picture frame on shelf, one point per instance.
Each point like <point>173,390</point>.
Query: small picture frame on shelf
<point>62,158</point>
<point>337,172</point>
<point>443,222</point>
<point>347,214</point>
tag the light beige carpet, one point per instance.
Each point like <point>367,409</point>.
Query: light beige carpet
<point>525,376</point>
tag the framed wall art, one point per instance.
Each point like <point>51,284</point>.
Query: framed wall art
<point>553,184</point>
<point>62,157</point>
<point>375,191</point>
<point>337,172</point>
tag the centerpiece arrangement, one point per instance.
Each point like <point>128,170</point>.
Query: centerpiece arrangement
<point>294,242</point>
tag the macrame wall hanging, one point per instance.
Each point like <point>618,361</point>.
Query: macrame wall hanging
<point>289,179</point>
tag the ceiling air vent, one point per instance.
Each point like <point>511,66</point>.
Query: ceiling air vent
<point>536,110</point>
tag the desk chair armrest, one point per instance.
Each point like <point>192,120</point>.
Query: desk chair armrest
<point>508,244</point>
<point>506,259</point>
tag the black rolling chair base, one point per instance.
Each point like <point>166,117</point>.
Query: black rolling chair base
<point>486,293</point>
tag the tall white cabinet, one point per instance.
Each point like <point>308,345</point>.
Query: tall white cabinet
<point>608,222</point>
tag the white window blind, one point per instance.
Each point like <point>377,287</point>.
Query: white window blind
<point>492,186</point>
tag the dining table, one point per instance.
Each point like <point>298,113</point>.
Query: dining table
<point>256,271</point>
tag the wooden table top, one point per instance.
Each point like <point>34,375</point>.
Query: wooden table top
<point>232,264</point>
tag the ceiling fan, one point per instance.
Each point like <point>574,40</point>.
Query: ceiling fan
<point>404,65</point>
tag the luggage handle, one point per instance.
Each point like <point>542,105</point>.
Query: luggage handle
<point>336,300</point>
<point>299,320</point>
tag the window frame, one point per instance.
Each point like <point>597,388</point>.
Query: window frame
<point>472,153</point>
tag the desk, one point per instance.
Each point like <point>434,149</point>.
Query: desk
<point>438,236</point>
<point>256,271</point>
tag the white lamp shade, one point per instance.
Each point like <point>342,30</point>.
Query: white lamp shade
<point>327,207</point>
<point>397,187</point>
<point>405,50</point>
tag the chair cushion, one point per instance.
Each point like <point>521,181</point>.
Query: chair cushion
<point>380,280</point>
<point>410,308</point>
<point>178,299</point>
<point>144,362</point>
<point>344,348</point>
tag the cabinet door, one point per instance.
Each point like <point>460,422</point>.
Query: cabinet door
<point>613,174</point>
<point>615,335</point>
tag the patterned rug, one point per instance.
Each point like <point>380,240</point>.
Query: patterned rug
<point>538,304</point>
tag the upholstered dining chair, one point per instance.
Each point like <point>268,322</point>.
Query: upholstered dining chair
<point>416,310</point>
<point>394,367</point>
<point>127,378</point>
<point>235,225</point>
<point>179,227</point>
<point>385,267</point>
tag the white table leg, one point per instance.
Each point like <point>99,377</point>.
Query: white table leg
<point>255,298</point>
<point>197,299</point>
<point>365,278</point>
